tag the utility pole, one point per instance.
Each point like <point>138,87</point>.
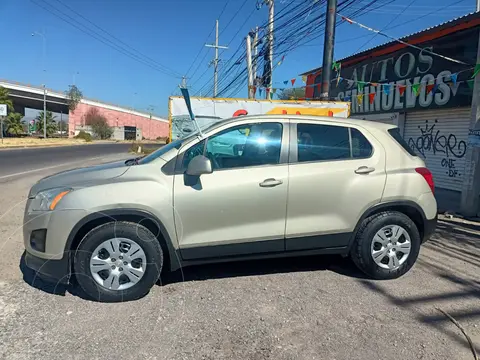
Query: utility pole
<point>255,60</point>
<point>44,39</point>
<point>268,69</point>
<point>328,48</point>
<point>150,109</point>
<point>249,67</point>
<point>216,60</point>
<point>44,112</point>
<point>470,204</point>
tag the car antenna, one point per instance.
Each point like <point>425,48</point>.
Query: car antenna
<point>186,96</point>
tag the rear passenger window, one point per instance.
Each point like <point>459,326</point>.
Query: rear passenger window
<point>395,133</point>
<point>361,148</point>
<point>322,142</point>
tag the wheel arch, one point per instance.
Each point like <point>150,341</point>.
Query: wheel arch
<point>409,208</point>
<point>145,218</point>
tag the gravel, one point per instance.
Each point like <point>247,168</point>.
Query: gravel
<point>299,308</point>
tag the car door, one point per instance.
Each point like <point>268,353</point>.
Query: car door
<point>240,208</point>
<point>336,172</point>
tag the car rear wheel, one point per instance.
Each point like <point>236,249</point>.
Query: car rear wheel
<point>386,245</point>
<point>118,261</point>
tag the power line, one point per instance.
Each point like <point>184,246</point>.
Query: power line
<point>101,38</point>
<point>116,38</point>
<point>390,22</point>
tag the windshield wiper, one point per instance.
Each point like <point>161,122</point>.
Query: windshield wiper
<point>133,161</point>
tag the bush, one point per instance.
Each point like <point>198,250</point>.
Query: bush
<point>99,124</point>
<point>144,150</point>
<point>163,139</point>
<point>83,135</point>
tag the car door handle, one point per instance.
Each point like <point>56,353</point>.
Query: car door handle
<point>364,170</point>
<point>271,182</point>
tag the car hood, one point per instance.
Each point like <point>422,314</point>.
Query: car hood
<point>81,177</point>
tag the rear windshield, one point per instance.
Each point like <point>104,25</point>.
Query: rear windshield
<point>395,133</point>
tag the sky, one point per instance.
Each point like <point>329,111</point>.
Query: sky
<point>164,37</point>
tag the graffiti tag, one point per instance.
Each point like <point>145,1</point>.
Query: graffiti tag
<point>449,165</point>
<point>431,140</point>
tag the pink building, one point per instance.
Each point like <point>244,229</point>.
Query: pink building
<point>151,127</point>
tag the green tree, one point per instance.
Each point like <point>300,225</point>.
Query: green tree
<point>51,124</point>
<point>74,96</point>
<point>99,124</point>
<point>5,98</point>
<point>13,124</point>
<point>62,126</point>
<point>292,94</point>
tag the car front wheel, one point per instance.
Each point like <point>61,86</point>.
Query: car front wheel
<point>118,261</point>
<point>386,245</point>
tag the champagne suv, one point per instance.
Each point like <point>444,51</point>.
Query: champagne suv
<point>245,188</point>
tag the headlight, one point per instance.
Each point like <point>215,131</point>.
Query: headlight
<point>48,199</point>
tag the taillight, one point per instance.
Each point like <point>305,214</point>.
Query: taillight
<point>427,175</point>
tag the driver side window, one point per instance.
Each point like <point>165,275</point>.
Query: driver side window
<point>241,146</point>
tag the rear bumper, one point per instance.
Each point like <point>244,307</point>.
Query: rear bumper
<point>56,271</point>
<point>429,228</point>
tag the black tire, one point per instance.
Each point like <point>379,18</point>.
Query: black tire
<point>361,250</point>
<point>136,232</point>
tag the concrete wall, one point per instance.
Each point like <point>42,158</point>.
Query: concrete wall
<point>150,129</point>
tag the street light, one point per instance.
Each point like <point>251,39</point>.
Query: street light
<point>75,76</point>
<point>42,35</point>
<point>150,109</point>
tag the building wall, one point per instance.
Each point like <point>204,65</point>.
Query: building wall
<point>150,129</point>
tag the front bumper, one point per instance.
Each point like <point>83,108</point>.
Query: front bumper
<point>56,271</point>
<point>429,228</point>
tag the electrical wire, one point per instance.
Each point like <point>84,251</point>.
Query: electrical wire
<point>386,26</point>
<point>288,34</point>
<point>114,37</point>
<point>102,38</point>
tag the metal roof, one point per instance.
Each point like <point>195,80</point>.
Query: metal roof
<point>446,24</point>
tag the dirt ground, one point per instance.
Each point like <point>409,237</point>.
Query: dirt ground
<point>302,308</point>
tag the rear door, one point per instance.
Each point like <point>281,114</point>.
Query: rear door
<point>336,172</point>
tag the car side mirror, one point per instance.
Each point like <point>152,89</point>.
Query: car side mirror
<point>199,165</point>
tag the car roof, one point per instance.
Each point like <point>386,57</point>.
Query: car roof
<point>338,120</point>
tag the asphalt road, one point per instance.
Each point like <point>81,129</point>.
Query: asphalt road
<point>306,308</point>
<point>25,161</point>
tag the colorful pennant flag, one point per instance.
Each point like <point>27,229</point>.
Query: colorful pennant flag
<point>454,78</point>
<point>401,89</point>
<point>285,82</point>
<point>415,88</point>
<point>254,88</point>
<point>304,78</point>
<point>267,90</point>
<point>470,83</point>
<point>339,80</point>
<point>435,88</point>
<point>359,99</point>
<point>336,66</point>
<point>274,90</point>
<point>347,98</point>
<point>371,97</point>
<point>374,84</point>
<point>386,89</point>
<point>429,88</point>
<point>476,71</point>
<point>260,91</point>
<point>360,85</point>
<point>293,81</point>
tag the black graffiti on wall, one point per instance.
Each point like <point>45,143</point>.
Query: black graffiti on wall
<point>431,140</point>
<point>449,165</point>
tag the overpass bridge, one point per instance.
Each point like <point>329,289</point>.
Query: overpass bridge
<point>27,96</point>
